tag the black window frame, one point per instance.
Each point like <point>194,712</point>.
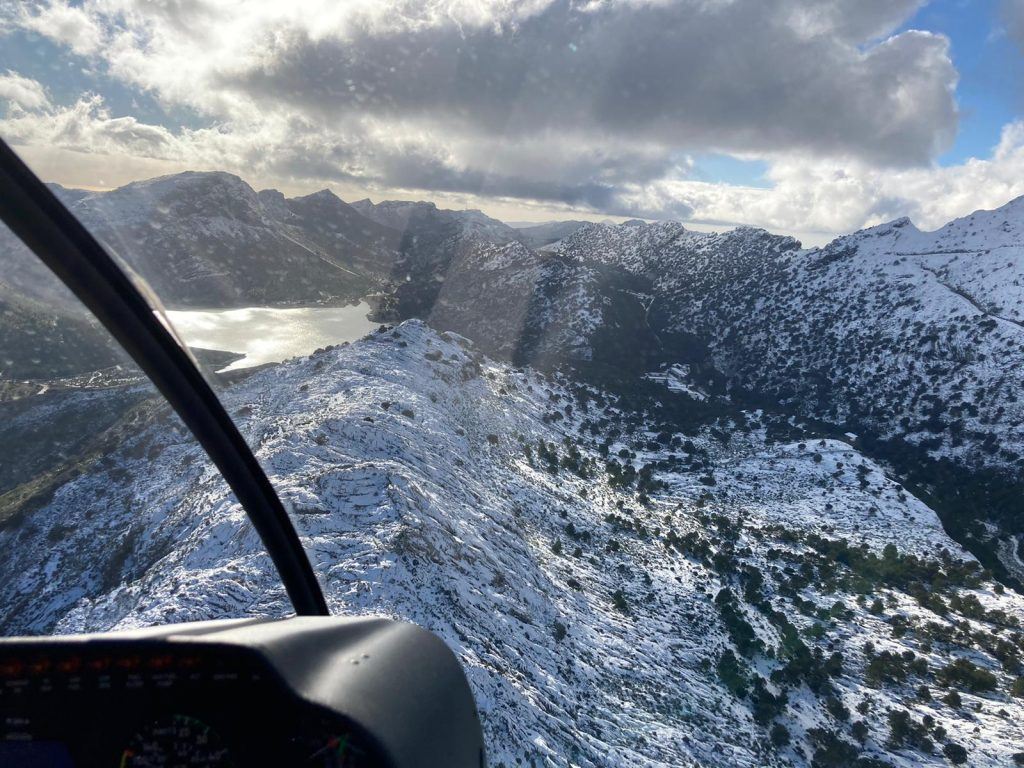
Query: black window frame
<point>42,222</point>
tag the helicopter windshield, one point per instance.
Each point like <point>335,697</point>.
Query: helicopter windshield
<point>102,486</point>
<point>664,357</point>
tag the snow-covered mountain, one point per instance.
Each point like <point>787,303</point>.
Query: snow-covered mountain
<point>905,338</point>
<point>705,520</point>
<point>915,334</point>
<point>408,216</point>
<point>620,591</point>
<point>910,339</point>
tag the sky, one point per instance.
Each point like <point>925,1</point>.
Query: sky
<point>805,117</point>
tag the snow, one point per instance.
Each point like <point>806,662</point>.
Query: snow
<point>413,511</point>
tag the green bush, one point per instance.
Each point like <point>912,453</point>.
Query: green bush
<point>967,674</point>
<point>732,673</point>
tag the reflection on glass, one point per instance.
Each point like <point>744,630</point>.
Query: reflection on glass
<point>100,483</point>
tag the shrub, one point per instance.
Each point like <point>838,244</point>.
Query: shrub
<point>955,753</point>
<point>559,630</point>
<point>732,673</point>
<point>859,729</point>
<point>966,673</point>
<point>903,730</point>
<point>779,735</point>
<point>830,751</point>
<point>619,601</point>
<point>765,705</point>
<point>1017,689</point>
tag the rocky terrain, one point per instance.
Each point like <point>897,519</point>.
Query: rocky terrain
<point>621,590</point>
<point>675,498</point>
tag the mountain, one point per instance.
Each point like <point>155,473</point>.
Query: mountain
<point>546,233</point>
<point>675,498</point>
<point>411,217</point>
<point>208,239</point>
<point>909,339</point>
<point>619,591</point>
<point>551,310</point>
<point>39,343</point>
<point>44,331</point>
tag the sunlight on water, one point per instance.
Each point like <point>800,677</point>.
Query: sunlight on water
<point>268,335</point>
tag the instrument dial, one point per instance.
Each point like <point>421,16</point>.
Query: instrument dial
<point>177,741</point>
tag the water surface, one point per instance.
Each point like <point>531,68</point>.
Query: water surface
<point>270,335</point>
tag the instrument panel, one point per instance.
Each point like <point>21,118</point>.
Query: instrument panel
<point>156,705</point>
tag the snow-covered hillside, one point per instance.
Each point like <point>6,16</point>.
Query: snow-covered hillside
<point>914,334</point>
<point>620,592</point>
<point>909,339</point>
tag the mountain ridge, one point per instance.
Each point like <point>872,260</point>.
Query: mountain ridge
<point>602,616</point>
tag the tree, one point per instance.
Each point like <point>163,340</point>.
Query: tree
<point>732,673</point>
<point>559,630</point>
<point>955,753</point>
<point>764,704</point>
<point>859,729</point>
<point>830,751</point>
<point>619,601</point>
<point>779,735</point>
<point>1017,689</point>
<point>968,674</point>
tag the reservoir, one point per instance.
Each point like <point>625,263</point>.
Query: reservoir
<point>268,334</point>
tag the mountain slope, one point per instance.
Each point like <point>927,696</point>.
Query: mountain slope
<point>411,217</point>
<point>208,239</point>
<point>909,339</point>
<point>540,235</point>
<point>648,597</point>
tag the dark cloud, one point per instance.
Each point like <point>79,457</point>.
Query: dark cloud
<point>590,103</point>
<point>760,76</point>
<point>585,180</point>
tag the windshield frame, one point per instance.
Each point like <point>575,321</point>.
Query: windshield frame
<point>38,218</point>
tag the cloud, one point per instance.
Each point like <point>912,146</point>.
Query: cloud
<point>592,105</point>
<point>765,76</point>
<point>813,198</point>
<point>822,198</point>
<point>87,126</point>
<point>74,27</point>
<point>718,75</point>
<point>23,91</point>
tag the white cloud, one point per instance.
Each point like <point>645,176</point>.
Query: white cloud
<point>591,106</point>
<point>23,91</point>
<point>825,198</point>
<point>75,27</point>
